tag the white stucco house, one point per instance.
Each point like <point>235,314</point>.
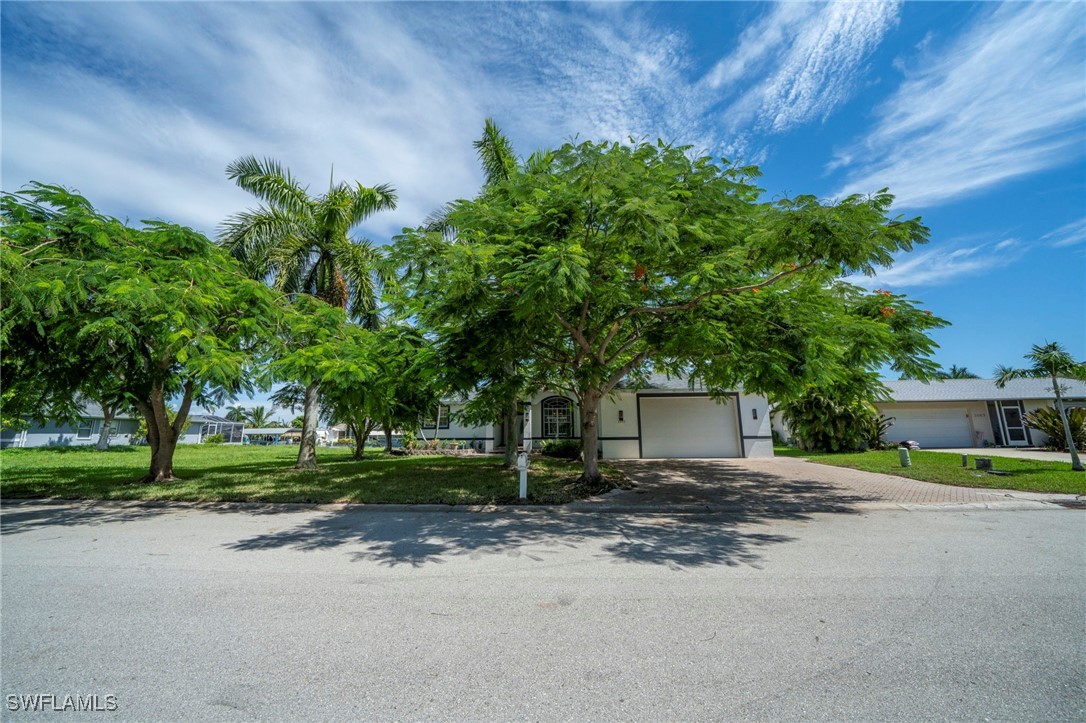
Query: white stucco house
<point>955,413</point>
<point>972,412</point>
<point>667,418</point>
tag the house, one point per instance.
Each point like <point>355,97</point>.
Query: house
<point>202,426</point>
<point>123,430</point>
<point>972,412</point>
<point>956,413</point>
<point>668,417</point>
<point>55,433</point>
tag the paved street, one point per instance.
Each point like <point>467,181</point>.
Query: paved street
<point>346,613</point>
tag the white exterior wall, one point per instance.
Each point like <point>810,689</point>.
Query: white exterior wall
<point>537,415</point>
<point>612,431</point>
<point>64,435</point>
<point>458,431</point>
<point>977,412</point>
<point>756,426</point>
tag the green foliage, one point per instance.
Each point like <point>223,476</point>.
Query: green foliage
<point>828,422</point>
<point>258,417</point>
<point>214,439</point>
<point>140,435</point>
<point>1047,420</point>
<point>876,435</point>
<point>1023,474</point>
<point>599,262</point>
<point>1051,360</point>
<point>94,307</point>
<point>232,473</point>
<point>561,448</point>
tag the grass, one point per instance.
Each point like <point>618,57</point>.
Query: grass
<point>263,474</point>
<point>1026,475</point>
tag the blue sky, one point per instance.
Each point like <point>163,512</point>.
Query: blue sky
<point>973,114</point>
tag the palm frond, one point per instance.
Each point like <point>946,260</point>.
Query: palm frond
<point>367,201</point>
<point>1004,374</point>
<point>270,182</point>
<point>495,153</point>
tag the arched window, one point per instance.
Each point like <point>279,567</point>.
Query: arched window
<point>557,418</point>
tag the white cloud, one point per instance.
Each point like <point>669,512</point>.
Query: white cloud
<point>810,56</point>
<point>142,105</point>
<point>1070,234</point>
<point>1004,100</point>
<point>951,263</point>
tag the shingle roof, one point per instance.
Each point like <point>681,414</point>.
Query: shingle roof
<point>972,390</point>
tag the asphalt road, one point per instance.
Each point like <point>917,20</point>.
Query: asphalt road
<point>335,614</point>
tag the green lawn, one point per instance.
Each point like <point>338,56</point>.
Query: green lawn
<point>264,474</point>
<point>1025,474</point>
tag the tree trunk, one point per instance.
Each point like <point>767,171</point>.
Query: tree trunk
<point>590,435</point>
<point>509,431</point>
<point>362,437</point>
<point>388,436</point>
<point>307,452</point>
<point>108,413</point>
<point>1076,463</point>
<point>162,435</point>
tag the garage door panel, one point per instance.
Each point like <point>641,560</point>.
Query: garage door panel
<point>688,427</point>
<point>942,428</point>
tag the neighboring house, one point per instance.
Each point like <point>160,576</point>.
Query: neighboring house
<point>954,413</point>
<point>123,430</point>
<point>326,436</point>
<point>202,426</point>
<point>972,412</point>
<point>263,436</point>
<point>62,434</point>
<point>665,418</point>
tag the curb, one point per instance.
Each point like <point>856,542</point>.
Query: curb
<point>596,506</point>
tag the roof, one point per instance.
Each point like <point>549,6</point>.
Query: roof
<point>91,410</point>
<point>267,430</point>
<point>212,418</point>
<point>663,381</point>
<point>979,390</point>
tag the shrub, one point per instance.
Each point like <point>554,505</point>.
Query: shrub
<point>1047,420</point>
<point>214,439</point>
<point>561,448</point>
<point>820,422</point>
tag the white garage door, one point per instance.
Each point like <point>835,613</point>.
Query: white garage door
<point>688,427</point>
<point>931,428</point>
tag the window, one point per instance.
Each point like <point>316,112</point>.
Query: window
<point>86,428</point>
<point>428,422</point>
<point>557,418</point>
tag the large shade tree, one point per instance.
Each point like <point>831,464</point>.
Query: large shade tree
<point>302,244</point>
<point>143,316</point>
<point>1050,361</point>
<point>616,260</point>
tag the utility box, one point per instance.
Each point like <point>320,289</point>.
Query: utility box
<point>903,455</point>
<point>984,463</point>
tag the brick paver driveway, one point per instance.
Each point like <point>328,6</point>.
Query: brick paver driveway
<point>720,484</point>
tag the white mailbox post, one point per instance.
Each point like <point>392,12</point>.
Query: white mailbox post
<point>522,467</point>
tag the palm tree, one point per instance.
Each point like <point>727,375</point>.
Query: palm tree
<point>957,372</point>
<point>1050,360</point>
<point>499,163</point>
<point>301,244</point>
<point>258,417</point>
<point>236,413</point>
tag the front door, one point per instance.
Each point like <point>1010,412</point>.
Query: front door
<point>1014,427</point>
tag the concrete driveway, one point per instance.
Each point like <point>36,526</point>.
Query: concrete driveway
<point>1015,452</point>
<point>700,485</point>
